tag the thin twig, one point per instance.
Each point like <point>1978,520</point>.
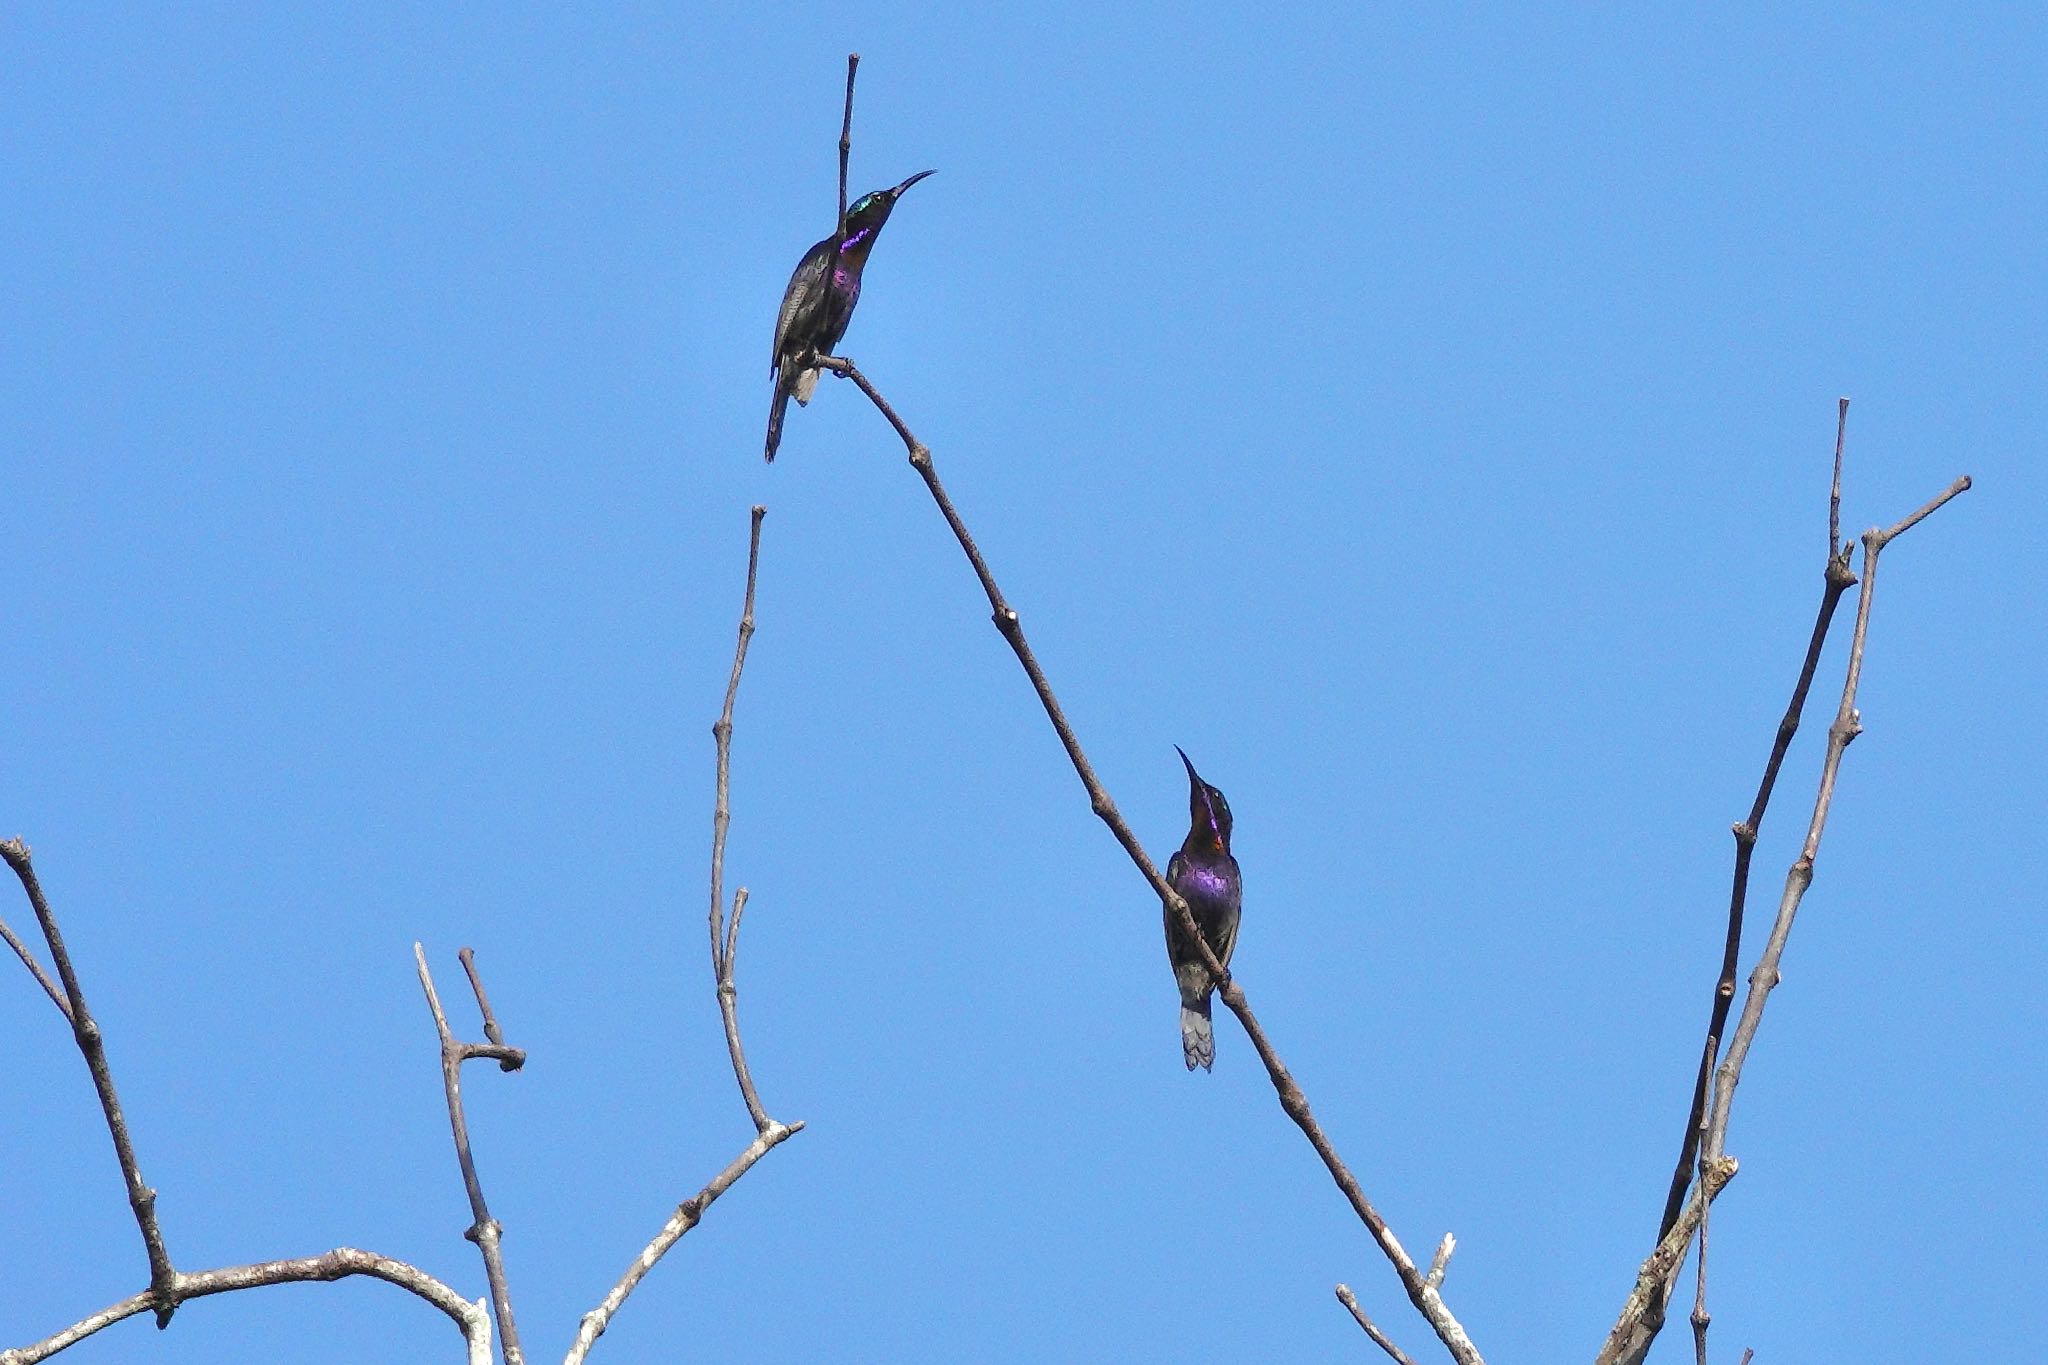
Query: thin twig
<point>1836,579</point>
<point>845,151</point>
<point>1379,1338</point>
<point>467,956</point>
<point>472,1319</point>
<point>484,1230</point>
<point>1441,1262</point>
<point>1426,1298</point>
<point>845,146</point>
<point>725,946</point>
<point>1836,549</point>
<point>163,1276</point>
<point>687,1215</point>
<point>35,968</point>
<point>725,950</point>
<point>1701,1318</point>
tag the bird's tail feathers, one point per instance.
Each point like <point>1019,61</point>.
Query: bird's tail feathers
<point>806,384</point>
<point>775,412</point>
<point>1197,1036</point>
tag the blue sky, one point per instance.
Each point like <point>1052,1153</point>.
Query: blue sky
<point>1424,419</point>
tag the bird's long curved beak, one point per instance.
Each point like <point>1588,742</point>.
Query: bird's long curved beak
<point>897,193</point>
<point>1199,804</point>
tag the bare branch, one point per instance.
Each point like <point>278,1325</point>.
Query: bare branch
<point>163,1277</point>
<point>1642,1316</point>
<point>1379,1338</point>
<point>1441,1262</point>
<point>472,1319</point>
<point>467,956</point>
<point>1701,1318</point>
<point>845,150</point>
<point>35,968</point>
<point>728,1010</point>
<point>725,942</point>
<point>845,146</point>
<point>687,1215</point>
<point>1836,550</point>
<point>725,948</point>
<point>1426,1298</point>
<point>1836,579</point>
<point>1846,727</point>
<point>484,1230</point>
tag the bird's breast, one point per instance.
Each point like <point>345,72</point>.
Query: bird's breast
<point>1200,882</point>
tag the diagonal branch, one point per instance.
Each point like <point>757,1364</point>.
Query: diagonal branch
<point>687,1215</point>
<point>1643,1315</point>
<point>471,1319</point>
<point>163,1276</point>
<point>484,1230</point>
<point>1836,580</point>
<point>1847,725</point>
<point>1426,1297</point>
<point>725,949</point>
<point>1379,1338</point>
<point>35,968</point>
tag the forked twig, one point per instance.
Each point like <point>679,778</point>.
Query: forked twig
<point>163,1276</point>
<point>35,968</point>
<point>725,942</point>
<point>169,1287</point>
<point>725,947</point>
<point>1426,1297</point>
<point>1836,579</point>
<point>1642,1316</point>
<point>1847,726</point>
<point>483,1230</point>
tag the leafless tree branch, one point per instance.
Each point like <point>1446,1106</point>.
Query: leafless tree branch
<point>1836,579</point>
<point>484,1230</point>
<point>472,1319</point>
<point>1427,1299</point>
<point>725,946</point>
<point>1379,1338</point>
<point>1642,1318</point>
<point>1846,727</point>
<point>35,968</point>
<point>168,1287</point>
<point>163,1277</point>
<point>687,1215</point>
<point>845,145</point>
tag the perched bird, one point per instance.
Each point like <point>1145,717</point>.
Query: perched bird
<point>1206,876</point>
<point>819,302</point>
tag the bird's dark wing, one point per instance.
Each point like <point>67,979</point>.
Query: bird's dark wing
<point>804,286</point>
